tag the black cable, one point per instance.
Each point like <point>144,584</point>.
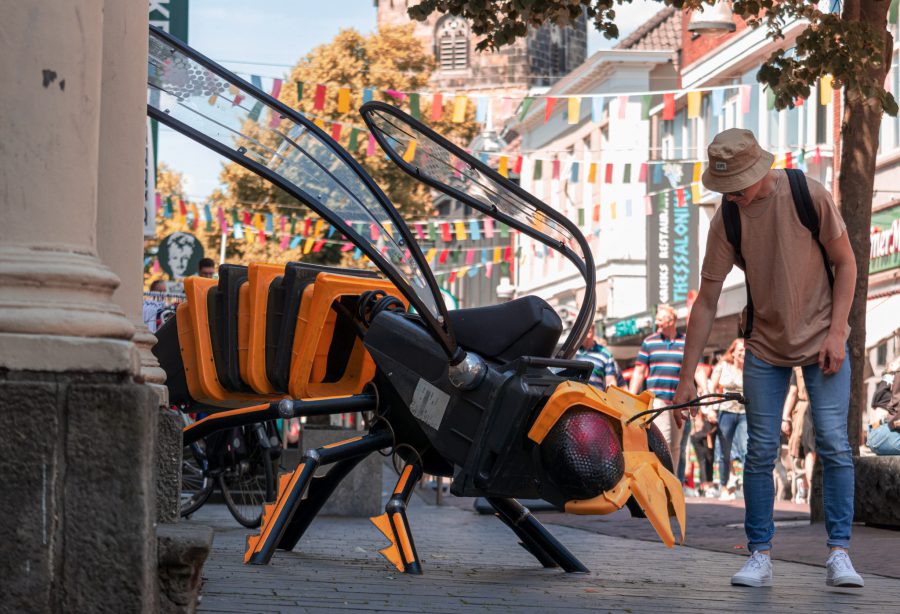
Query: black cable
<point>728,396</point>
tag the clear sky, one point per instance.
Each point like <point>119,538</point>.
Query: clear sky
<point>265,37</point>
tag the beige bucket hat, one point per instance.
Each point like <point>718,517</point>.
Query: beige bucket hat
<point>736,161</point>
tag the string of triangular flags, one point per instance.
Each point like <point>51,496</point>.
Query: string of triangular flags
<point>459,102</point>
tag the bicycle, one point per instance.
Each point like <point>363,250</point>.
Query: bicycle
<point>241,461</point>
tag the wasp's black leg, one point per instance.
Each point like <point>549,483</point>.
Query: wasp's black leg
<point>291,488</point>
<point>535,538</point>
<point>395,525</point>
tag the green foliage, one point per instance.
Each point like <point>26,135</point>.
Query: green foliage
<point>854,47</point>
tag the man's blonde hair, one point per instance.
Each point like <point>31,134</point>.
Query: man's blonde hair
<point>666,308</point>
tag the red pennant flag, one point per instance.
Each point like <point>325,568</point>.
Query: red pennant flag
<point>262,235</point>
<point>420,231</point>
<point>247,221</point>
<point>437,107</point>
<point>319,100</point>
<point>445,232</point>
<point>373,231</point>
<point>609,173</point>
<point>679,194</point>
<point>817,156</point>
<point>318,246</point>
<point>158,202</point>
<point>395,94</point>
<point>643,174</point>
<point>307,225</point>
<point>517,167</point>
<point>452,277</point>
<point>182,208</point>
<point>336,131</point>
<point>507,254</point>
<point>470,257</point>
<point>548,109</point>
<point>238,98</point>
<point>789,160</point>
<point>555,165</point>
<point>442,259</point>
<point>348,247</point>
<point>668,107</point>
<point>798,101</point>
<point>596,215</point>
<point>276,88</point>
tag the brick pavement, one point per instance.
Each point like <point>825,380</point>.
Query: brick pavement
<point>472,564</point>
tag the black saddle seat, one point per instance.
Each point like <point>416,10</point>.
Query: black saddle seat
<point>527,326</point>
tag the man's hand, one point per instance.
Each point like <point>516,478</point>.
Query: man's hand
<point>686,392</point>
<point>786,427</point>
<point>831,354</point>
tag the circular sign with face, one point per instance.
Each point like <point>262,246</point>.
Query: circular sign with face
<point>179,255</point>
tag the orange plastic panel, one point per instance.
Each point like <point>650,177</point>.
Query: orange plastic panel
<point>253,360</point>
<point>315,327</point>
<point>204,383</point>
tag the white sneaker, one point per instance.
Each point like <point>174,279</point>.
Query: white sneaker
<point>757,571</point>
<point>839,571</point>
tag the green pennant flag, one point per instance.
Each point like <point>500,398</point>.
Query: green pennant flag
<point>770,99</point>
<point>354,134</point>
<point>661,202</point>
<point>299,91</point>
<point>234,217</point>
<point>645,106</point>
<point>432,231</point>
<point>801,156</point>
<point>626,176</point>
<point>504,268</point>
<point>581,216</point>
<point>526,104</point>
<point>414,106</point>
<point>170,211</point>
<point>519,252</point>
<point>255,111</point>
<point>504,230</point>
<point>892,11</point>
<point>293,225</point>
<point>537,170</point>
<point>454,256</point>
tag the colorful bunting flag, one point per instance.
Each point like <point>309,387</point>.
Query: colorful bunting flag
<point>668,107</point>
<point>597,104</point>
<point>336,131</point>
<point>299,91</point>
<point>574,110</point>
<point>826,90</point>
<point>459,108</point>
<point>554,165</point>
<point>319,99</point>
<point>549,103</point>
<point>414,106</point>
<point>343,100</point>
<point>523,109</point>
<point>694,102</point>
<point>503,166</point>
<point>276,88</point>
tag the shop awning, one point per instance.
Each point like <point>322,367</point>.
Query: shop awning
<point>882,319</point>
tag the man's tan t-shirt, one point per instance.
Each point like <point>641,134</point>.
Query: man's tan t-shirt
<point>787,278</point>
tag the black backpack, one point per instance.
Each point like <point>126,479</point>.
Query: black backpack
<point>808,215</point>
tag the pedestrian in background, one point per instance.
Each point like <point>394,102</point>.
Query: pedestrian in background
<point>728,376</point>
<point>605,368</point>
<point>797,425</point>
<point>797,317</point>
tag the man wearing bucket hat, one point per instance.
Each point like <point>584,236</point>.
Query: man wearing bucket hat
<point>796,316</point>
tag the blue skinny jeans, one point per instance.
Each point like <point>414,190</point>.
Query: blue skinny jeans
<point>765,387</point>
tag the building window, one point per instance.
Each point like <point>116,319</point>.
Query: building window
<point>452,35</point>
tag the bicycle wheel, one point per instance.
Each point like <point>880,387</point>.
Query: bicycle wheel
<point>196,484</point>
<point>247,479</point>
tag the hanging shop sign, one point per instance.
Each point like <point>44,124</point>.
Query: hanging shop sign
<point>672,259</point>
<point>884,252</point>
<point>180,254</point>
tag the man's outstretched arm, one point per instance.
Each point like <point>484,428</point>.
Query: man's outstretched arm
<point>703,313</point>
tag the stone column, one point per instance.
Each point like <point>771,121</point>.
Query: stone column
<point>76,471</point>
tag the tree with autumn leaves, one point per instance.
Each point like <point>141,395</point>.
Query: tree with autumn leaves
<point>385,63</point>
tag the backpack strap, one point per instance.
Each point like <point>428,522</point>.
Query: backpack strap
<point>807,213</point>
<point>732,221</point>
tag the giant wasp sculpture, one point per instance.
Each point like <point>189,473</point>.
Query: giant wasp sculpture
<point>479,395</point>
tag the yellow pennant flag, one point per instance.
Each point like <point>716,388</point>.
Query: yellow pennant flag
<point>410,154</point>
<point>695,193</point>
<point>503,169</point>
<point>693,104</point>
<point>463,271</point>
<point>344,100</point>
<point>592,173</point>
<point>698,170</point>
<point>307,247</point>
<point>429,256</point>
<point>496,255</point>
<point>460,231</point>
<point>574,110</point>
<point>459,109</point>
<point>612,210</point>
<point>258,221</point>
<point>320,224</point>
<point>212,99</point>
<point>826,90</point>
<point>320,123</point>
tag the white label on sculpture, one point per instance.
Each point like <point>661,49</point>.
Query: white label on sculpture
<point>429,404</point>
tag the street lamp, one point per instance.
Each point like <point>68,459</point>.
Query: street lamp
<point>715,21</point>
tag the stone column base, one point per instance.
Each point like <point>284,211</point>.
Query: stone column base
<point>183,549</point>
<point>78,493</point>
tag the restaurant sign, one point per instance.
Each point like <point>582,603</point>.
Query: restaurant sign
<point>884,251</point>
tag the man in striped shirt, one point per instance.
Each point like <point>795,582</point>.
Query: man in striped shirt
<point>659,364</point>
